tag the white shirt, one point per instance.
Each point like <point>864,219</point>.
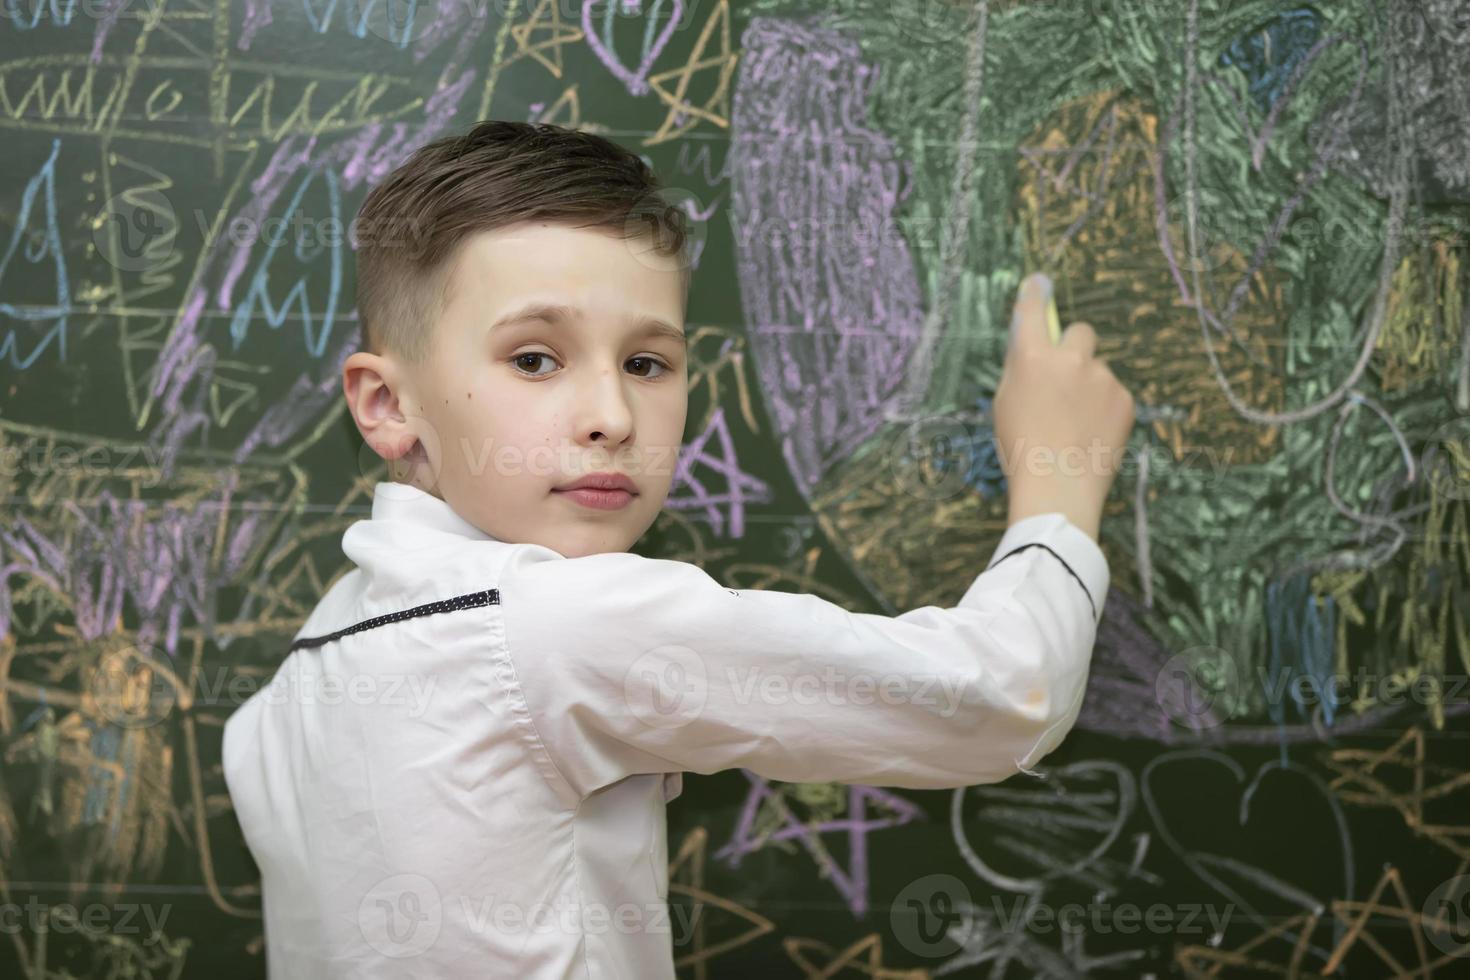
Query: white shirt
<point>477,788</point>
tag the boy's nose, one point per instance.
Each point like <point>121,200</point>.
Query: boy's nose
<point>603,411</point>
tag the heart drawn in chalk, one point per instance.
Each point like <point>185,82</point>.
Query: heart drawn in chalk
<point>636,81</point>
<point>1025,818</point>
<point>1280,817</point>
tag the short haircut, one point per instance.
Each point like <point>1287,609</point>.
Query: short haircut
<point>411,225</point>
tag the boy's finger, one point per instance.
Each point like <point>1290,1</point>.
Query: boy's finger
<point>1029,322</point>
<point>1080,337</point>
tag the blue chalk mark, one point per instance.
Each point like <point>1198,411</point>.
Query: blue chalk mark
<point>984,474</point>
<point>103,745</point>
<point>16,12</point>
<point>972,455</point>
<point>1300,628</point>
<point>394,24</point>
<point>1268,55</point>
<point>306,249</point>
<point>42,247</point>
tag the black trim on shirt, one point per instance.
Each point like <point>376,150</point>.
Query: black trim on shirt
<point>471,600</point>
<point>1038,544</point>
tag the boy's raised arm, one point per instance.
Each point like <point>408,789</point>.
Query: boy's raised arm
<point>635,665</point>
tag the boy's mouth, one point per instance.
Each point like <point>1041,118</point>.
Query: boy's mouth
<point>600,491</point>
<point>598,499</point>
<point>601,481</point>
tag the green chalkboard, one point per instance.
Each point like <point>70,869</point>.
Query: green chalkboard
<point>1261,207</point>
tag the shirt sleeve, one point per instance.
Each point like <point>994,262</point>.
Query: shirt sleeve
<point>633,665</point>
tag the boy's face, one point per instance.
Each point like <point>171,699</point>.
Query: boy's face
<point>508,408</point>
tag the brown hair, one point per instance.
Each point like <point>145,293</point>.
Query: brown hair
<point>498,173</point>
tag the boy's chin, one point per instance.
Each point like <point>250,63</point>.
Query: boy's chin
<point>581,549</point>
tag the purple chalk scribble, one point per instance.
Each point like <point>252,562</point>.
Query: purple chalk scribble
<point>831,296</point>
<point>852,882</point>
<point>688,491</point>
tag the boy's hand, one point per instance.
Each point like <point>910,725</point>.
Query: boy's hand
<point>1062,419</point>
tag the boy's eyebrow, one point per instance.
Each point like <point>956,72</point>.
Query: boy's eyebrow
<point>560,312</point>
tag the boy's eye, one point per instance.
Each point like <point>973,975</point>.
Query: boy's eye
<point>527,361</point>
<point>649,362</point>
<point>521,359</point>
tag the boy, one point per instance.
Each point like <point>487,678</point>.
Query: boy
<point>462,765</point>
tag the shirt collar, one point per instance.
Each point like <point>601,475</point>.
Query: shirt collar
<point>401,502</point>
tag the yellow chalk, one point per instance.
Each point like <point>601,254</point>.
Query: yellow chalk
<point>1053,321</point>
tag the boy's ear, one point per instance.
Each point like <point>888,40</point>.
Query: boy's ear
<point>372,384</point>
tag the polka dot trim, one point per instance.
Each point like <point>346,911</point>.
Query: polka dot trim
<point>471,600</point>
